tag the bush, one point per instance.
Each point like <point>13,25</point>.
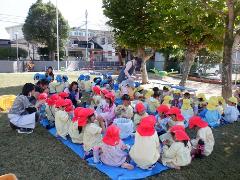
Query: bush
<point>10,53</point>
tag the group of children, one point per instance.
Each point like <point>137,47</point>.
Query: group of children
<point>156,118</point>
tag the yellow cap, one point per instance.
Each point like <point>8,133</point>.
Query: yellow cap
<point>148,94</point>
<point>233,100</point>
<point>212,104</point>
<point>186,104</point>
<point>140,88</point>
<point>221,99</point>
<point>168,87</point>
<point>177,91</point>
<point>201,95</point>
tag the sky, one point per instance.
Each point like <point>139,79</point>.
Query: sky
<point>14,12</point>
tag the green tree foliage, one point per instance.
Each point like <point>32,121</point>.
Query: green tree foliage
<point>191,26</point>
<point>10,53</point>
<point>40,26</point>
<point>134,27</point>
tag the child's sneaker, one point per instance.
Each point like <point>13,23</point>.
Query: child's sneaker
<point>88,155</point>
<point>25,131</point>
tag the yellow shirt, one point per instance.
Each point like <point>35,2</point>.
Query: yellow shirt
<point>124,112</point>
<point>137,118</point>
<point>152,104</point>
<point>206,135</point>
<point>62,123</point>
<point>176,155</point>
<point>146,150</point>
<point>50,111</point>
<point>92,136</point>
<point>88,86</point>
<point>74,133</point>
<point>96,100</point>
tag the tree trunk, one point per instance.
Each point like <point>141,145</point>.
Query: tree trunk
<point>51,56</point>
<point>189,57</point>
<point>145,58</point>
<point>227,52</point>
<point>144,72</point>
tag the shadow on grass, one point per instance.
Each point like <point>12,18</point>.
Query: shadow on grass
<point>10,90</point>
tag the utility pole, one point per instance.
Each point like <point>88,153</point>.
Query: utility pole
<point>57,35</point>
<point>86,16</point>
<point>17,51</point>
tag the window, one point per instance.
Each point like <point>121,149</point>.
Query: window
<point>75,33</point>
<point>110,41</point>
<point>102,41</point>
<point>109,53</point>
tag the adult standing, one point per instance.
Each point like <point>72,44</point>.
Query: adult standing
<point>23,114</point>
<point>128,70</point>
<point>49,72</point>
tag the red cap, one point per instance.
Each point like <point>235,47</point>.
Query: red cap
<point>55,97</point>
<point>96,89</point>
<point>146,126</point>
<point>68,102</point>
<point>181,135</point>
<point>60,103</point>
<point>63,95</point>
<point>50,102</point>
<point>83,115</point>
<point>179,117</point>
<point>104,91</point>
<point>176,128</point>
<point>76,113</point>
<point>112,136</point>
<point>174,110</point>
<point>197,121</point>
<point>69,108</point>
<point>140,107</point>
<point>42,96</point>
<point>163,109</point>
<point>110,96</point>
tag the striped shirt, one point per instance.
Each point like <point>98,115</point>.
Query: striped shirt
<point>20,104</point>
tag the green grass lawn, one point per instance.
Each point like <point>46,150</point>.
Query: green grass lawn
<point>41,156</point>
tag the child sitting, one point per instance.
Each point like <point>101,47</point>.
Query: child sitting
<point>179,153</point>
<point>153,102</point>
<point>176,98</point>
<point>162,119</point>
<point>146,149</point>
<point>92,136</point>
<point>212,115</point>
<point>87,84</point>
<point>96,98</point>
<point>167,101</point>
<point>166,91</point>
<point>41,105</point>
<point>63,95</point>
<point>221,104</point>
<point>62,120</point>
<point>201,101</point>
<point>231,112</point>
<point>56,87</point>
<point>65,81</point>
<point>187,110</point>
<point>102,102</point>
<point>140,113</point>
<point>203,144</point>
<point>113,149</point>
<point>176,118</point>
<point>51,110</point>
<point>80,82</point>
<point>76,126</point>
<point>108,112</point>
<point>125,110</point>
<point>69,108</point>
<point>127,87</point>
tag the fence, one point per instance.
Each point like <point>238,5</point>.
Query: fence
<point>14,66</point>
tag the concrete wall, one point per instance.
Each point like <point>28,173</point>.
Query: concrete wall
<point>14,66</point>
<point>11,66</point>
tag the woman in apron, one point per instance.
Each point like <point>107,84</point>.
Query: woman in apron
<point>128,70</point>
